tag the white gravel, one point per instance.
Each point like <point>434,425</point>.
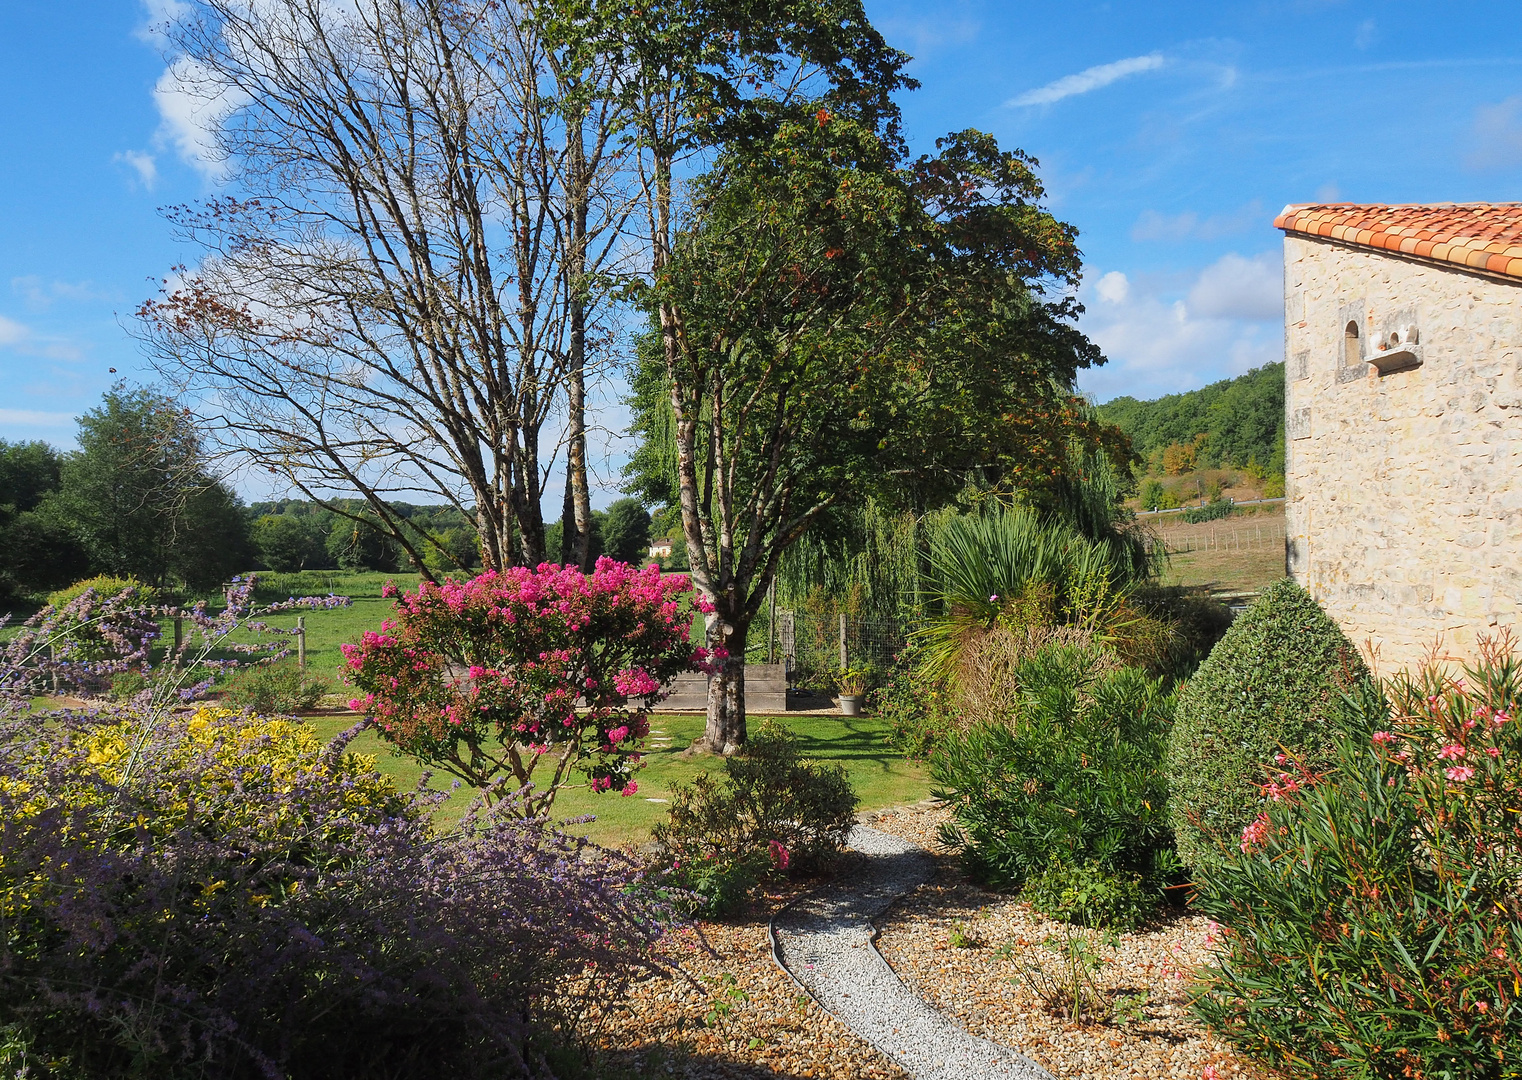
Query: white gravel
<point>825,942</point>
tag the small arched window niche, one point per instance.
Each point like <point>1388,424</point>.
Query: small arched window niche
<point>1352,353</point>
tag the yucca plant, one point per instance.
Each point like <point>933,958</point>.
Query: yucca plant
<point>1009,565</point>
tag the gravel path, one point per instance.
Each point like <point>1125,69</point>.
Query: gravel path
<point>825,941</point>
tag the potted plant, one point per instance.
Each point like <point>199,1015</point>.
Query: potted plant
<point>852,683</point>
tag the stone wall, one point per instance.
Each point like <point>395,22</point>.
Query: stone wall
<point>1404,489</point>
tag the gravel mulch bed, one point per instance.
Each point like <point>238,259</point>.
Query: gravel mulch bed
<point>732,1013</point>
<point>981,989</point>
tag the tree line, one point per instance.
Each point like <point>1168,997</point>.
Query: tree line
<point>1232,423</point>
<point>138,498</point>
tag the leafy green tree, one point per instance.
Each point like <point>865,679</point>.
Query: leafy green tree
<point>286,543</point>
<point>37,555</point>
<point>139,499</point>
<point>359,544</point>
<point>838,323</point>
<point>626,531</point>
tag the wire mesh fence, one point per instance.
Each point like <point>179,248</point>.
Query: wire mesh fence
<point>813,647</point>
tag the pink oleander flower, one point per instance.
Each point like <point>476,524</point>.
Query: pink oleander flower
<point>1459,774</point>
<point>1384,736</point>
<point>1255,834</point>
<point>780,857</point>
<point>1492,751</point>
<point>994,599</point>
<point>1451,752</point>
<point>1210,1073</point>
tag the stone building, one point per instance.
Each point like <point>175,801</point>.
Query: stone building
<point>1403,380</point>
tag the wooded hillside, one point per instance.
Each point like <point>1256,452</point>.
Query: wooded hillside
<point>1235,422</point>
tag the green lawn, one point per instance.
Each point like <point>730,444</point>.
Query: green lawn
<point>880,776</point>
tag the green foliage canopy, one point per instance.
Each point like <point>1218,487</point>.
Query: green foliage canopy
<point>1242,419</point>
<point>1275,680</point>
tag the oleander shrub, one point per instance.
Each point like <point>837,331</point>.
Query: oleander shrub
<point>280,688</point>
<point>771,810</point>
<point>1371,904</point>
<point>1072,776</point>
<point>1276,681</point>
<point>219,895</point>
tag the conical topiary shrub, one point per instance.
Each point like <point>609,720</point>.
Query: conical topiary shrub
<point>1275,680</point>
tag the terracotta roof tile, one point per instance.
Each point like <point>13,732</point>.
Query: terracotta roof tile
<point>1482,236</point>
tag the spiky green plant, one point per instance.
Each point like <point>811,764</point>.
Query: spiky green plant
<point>1009,563</point>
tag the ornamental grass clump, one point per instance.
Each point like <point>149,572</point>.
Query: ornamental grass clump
<point>1067,789</point>
<point>1373,905</point>
<point>1275,682</point>
<point>486,678</point>
<point>219,895</point>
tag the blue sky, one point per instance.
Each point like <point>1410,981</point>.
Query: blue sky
<point>1170,134</point>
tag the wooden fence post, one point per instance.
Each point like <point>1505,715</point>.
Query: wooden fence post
<point>301,642</point>
<point>843,664</point>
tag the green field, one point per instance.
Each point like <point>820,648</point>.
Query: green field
<point>880,775</point>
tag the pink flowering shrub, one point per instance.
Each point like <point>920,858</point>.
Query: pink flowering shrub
<point>485,678</point>
<point>1371,909</point>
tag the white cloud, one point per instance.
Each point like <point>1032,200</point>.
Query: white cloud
<point>36,418</point>
<point>23,340</point>
<point>143,164</point>
<point>923,36</point>
<point>1113,288</point>
<point>11,332</point>
<point>1365,35</point>
<point>158,14</point>
<point>1238,288</point>
<point>1164,335</point>
<point>1497,135</point>
<point>40,295</point>
<point>1188,225</point>
<point>1089,79</point>
<point>192,105</point>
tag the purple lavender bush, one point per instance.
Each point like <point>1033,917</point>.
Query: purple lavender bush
<point>214,894</point>
<point>208,893</point>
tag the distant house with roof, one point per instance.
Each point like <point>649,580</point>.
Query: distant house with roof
<point>1403,347</point>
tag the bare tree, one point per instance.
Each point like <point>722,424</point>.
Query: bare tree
<point>398,300</point>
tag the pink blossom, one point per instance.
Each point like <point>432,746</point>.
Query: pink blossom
<point>1384,736</point>
<point>780,857</point>
<point>629,789</point>
<point>1451,752</point>
<point>1210,1073</point>
<point>1255,833</point>
<point>1492,751</point>
<point>635,682</point>
<point>1460,774</point>
<point>618,735</point>
<point>994,599</point>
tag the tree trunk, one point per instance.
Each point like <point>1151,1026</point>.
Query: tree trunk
<point>725,731</point>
